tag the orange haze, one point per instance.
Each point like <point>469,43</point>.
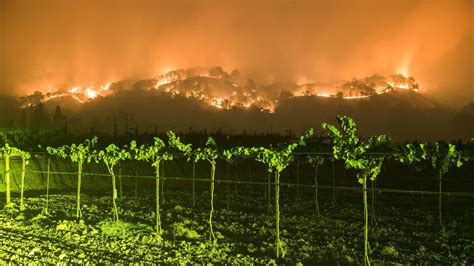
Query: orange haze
<point>47,44</point>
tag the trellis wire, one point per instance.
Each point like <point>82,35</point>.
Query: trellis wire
<point>328,153</point>
<point>379,190</point>
<point>304,174</point>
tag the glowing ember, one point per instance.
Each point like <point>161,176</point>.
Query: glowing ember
<point>323,94</point>
<point>404,86</point>
<point>217,103</point>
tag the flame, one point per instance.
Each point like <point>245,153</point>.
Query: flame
<point>106,86</point>
<point>403,68</point>
<point>217,103</point>
<point>77,99</point>
<point>323,94</point>
<point>403,86</point>
<point>91,93</point>
<point>75,89</point>
<point>238,95</point>
<point>356,97</point>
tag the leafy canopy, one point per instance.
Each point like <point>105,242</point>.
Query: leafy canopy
<point>314,159</point>
<point>77,153</point>
<point>112,154</point>
<point>353,150</point>
<point>232,154</point>
<point>159,150</point>
<point>8,150</point>
<point>16,135</point>
<point>209,153</point>
<point>278,159</point>
<point>442,156</point>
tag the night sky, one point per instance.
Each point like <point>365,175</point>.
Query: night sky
<point>47,44</point>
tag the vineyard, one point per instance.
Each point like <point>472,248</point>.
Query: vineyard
<point>328,196</point>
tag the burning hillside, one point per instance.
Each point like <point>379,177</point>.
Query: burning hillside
<point>219,89</point>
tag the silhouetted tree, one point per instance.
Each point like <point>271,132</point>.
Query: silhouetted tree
<point>33,99</point>
<point>251,84</point>
<point>217,72</point>
<point>235,74</point>
<point>59,119</point>
<point>39,118</point>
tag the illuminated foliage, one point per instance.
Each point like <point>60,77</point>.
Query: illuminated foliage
<point>7,152</point>
<point>111,156</point>
<point>353,150</point>
<point>410,154</point>
<point>440,155</point>
<point>442,158</point>
<point>16,135</point>
<point>315,161</point>
<point>356,152</point>
<point>234,155</point>
<point>209,153</point>
<point>277,160</point>
<point>78,154</point>
<point>154,154</point>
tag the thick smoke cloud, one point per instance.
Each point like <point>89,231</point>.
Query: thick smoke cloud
<point>47,44</point>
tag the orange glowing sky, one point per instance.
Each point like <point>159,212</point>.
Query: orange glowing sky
<point>47,44</point>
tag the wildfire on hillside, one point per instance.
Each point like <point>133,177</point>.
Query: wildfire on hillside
<point>216,88</point>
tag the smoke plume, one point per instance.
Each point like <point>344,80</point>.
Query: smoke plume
<point>53,43</point>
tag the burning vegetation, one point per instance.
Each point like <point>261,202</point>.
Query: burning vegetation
<point>219,89</point>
